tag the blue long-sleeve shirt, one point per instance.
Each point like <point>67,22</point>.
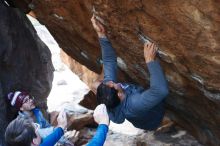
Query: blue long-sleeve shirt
<point>100,136</point>
<point>109,60</point>
<point>53,138</point>
<point>40,118</point>
<point>144,108</point>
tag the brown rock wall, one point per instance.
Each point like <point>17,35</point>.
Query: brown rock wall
<point>25,63</point>
<point>187,33</point>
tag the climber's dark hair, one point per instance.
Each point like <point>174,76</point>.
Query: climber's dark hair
<point>20,132</point>
<point>107,96</point>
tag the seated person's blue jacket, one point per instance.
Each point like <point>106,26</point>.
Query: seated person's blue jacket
<point>143,108</point>
<point>39,118</point>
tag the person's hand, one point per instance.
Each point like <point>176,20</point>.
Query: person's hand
<point>62,120</point>
<point>98,27</point>
<point>150,50</point>
<point>100,115</point>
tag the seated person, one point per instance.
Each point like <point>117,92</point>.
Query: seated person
<point>144,108</point>
<point>24,102</point>
<point>23,132</point>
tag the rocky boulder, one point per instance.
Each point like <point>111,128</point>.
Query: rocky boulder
<point>187,33</point>
<point>25,63</point>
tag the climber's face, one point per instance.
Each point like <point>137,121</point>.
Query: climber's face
<point>28,104</point>
<point>117,87</point>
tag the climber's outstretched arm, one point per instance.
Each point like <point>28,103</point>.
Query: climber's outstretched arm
<point>109,72</point>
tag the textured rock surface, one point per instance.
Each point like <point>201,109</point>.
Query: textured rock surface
<point>25,62</point>
<point>189,39</point>
<point>89,101</point>
<point>186,31</point>
<point>86,75</point>
<point>174,136</point>
<point>75,121</point>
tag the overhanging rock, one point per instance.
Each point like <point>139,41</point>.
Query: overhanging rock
<point>187,33</point>
<point>25,63</point>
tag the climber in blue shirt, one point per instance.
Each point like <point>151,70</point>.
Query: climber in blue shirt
<point>144,108</point>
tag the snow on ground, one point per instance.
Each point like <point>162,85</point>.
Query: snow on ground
<point>67,87</point>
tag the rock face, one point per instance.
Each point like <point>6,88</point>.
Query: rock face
<point>187,33</point>
<point>173,136</point>
<point>86,75</point>
<point>25,62</point>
